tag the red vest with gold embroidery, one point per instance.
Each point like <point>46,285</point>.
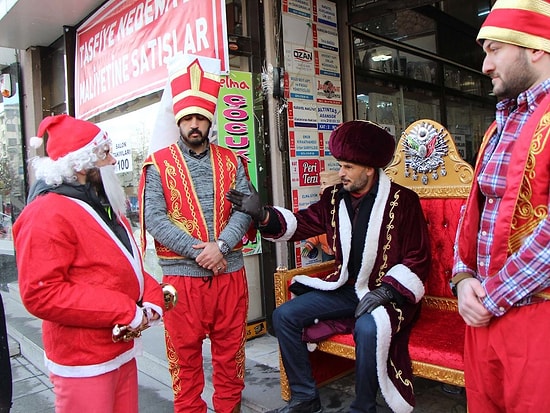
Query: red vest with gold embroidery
<point>525,202</point>
<point>184,208</point>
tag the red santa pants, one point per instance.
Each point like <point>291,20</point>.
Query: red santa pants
<point>113,392</point>
<point>507,364</point>
<point>215,307</point>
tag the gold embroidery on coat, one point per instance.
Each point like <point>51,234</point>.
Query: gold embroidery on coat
<point>527,216</point>
<point>399,376</point>
<point>387,245</point>
<point>400,317</point>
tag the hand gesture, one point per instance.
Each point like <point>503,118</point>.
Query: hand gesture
<point>250,204</point>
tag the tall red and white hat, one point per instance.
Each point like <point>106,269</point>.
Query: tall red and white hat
<point>524,23</point>
<point>193,86</point>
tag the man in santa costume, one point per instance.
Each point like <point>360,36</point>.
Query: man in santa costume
<point>502,260</point>
<point>198,239</point>
<point>80,270</point>
<point>382,256</point>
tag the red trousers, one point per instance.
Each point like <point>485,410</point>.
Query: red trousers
<point>507,364</point>
<point>214,307</point>
<point>113,392</point>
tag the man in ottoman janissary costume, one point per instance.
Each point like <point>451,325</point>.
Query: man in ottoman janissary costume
<point>198,240</point>
<point>502,260</point>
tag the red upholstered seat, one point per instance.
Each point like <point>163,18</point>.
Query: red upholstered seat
<point>442,218</point>
<point>438,338</point>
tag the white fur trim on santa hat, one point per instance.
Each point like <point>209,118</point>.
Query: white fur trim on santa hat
<point>36,141</point>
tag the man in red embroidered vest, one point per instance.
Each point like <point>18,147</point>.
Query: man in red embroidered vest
<point>198,243</point>
<point>80,270</point>
<point>502,262</point>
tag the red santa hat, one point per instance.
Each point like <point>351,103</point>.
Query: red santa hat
<point>67,134</point>
<point>194,89</point>
<point>524,23</point>
<point>362,142</point>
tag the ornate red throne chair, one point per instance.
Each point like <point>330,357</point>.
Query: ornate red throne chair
<point>426,161</point>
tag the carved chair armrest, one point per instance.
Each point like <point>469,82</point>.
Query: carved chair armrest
<point>282,278</point>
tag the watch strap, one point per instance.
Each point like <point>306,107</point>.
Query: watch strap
<point>453,282</point>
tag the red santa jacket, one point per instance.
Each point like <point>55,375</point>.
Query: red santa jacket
<point>77,276</point>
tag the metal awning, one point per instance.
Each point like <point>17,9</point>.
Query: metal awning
<point>26,23</point>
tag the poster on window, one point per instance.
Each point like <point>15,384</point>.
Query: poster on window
<point>303,143</point>
<point>299,60</point>
<point>327,63</point>
<point>460,143</point>
<point>298,7</point>
<point>122,50</point>
<point>300,87</point>
<point>314,99</point>
<point>328,90</point>
<point>324,11</point>
<point>235,130</point>
<point>302,115</point>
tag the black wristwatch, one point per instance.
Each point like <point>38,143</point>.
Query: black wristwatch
<point>224,248</point>
<point>453,282</point>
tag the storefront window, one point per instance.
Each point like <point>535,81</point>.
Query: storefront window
<point>467,121</point>
<point>384,59</point>
<point>131,134</point>
<point>467,81</point>
<point>398,87</point>
<point>395,107</point>
<point>12,164</point>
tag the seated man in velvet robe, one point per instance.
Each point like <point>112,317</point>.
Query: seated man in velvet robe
<point>382,257</point>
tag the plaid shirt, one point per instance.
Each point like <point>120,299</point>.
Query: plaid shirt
<point>527,271</point>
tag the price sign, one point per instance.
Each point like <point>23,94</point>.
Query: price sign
<point>123,156</point>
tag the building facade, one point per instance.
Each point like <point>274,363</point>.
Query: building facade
<point>299,68</point>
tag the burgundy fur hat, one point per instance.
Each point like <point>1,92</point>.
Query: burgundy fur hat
<point>362,142</point>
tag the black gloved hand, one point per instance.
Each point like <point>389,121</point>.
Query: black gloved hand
<point>375,298</point>
<point>248,203</point>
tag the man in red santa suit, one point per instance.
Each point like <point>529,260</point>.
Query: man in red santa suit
<point>80,270</point>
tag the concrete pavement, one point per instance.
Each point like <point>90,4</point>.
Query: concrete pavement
<point>33,391</point>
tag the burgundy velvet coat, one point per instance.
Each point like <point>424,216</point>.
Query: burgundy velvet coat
<point>397,252</point>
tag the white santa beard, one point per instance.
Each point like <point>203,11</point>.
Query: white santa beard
<point>113,190</point>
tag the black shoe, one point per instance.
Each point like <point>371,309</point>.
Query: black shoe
<point>308,406</point>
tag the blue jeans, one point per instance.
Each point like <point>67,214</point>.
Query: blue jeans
<point>290,318</point>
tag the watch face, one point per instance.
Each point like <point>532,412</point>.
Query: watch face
<point>224,248</point>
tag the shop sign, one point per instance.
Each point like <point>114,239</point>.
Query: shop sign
<point>123,49</point>
<point>235,130</point>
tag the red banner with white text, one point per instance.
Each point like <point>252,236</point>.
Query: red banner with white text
<point>122,50</point>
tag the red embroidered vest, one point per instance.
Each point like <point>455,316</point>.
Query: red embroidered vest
<point>184,208</point>
<point>525,202</point>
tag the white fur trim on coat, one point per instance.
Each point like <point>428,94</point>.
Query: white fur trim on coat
<point>291,225</point>
<point>370,252</point>
<point>391,394</point>
<point>408,279</point>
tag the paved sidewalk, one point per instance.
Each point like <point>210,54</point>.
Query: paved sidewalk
<point>32,392</point>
